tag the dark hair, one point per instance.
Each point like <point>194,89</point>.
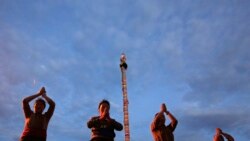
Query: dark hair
<point>103,101</point>
<point>42,101</point>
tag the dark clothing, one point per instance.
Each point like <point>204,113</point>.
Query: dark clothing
<point>35,128</point>
<point>102,139</point>
<point>103,130</point>
<point>32,138</point>
<point>221,138</point>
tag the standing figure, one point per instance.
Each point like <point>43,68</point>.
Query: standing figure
<point>159,130</point>
<point>103,126</point>
<point>219,135</point>
<point>36,122</point>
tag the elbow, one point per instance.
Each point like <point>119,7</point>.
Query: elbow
<point>52,104</point>
<point>117,126</point>
<point>176,122</point>
<point>24,101</point>
<point>89,125</point>
<point>120,128</point>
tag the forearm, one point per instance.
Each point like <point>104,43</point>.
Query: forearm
<point>172,118</point>
<point>29,98</point>
<point>118,126</point>
<point>26,106</point>
<point>93,122</point>
<point>49,100</point>
<point>227,136</point>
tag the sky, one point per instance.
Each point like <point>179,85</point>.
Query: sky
<point>192,55</point>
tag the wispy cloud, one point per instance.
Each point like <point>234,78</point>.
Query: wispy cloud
<point>191,55</point>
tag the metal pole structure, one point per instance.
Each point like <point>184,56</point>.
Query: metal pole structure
<point>124,67</point>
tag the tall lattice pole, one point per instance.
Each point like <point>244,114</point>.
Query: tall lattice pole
<point>124,67</point>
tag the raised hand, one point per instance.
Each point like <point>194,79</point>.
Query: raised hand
<point>42,91</point>
<point>44,95</point>
<point>163,108</point>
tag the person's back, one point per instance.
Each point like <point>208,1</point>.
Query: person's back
<point>159,130</point>
<point>164,133</point>
<point>36,122</point>
<point>218,138</point>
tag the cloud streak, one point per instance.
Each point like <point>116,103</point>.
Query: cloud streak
<point>191,55</point>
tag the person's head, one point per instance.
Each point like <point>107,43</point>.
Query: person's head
<point>104,106</point>
<point>161,118</point>
<point>39,105</point>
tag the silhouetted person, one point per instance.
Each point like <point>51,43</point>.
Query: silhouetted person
<point>159,130</point>
<point>36,122</point>
<point>219,135</point>
<point>103,126</point>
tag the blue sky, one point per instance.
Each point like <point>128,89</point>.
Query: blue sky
<point>191,55</point>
